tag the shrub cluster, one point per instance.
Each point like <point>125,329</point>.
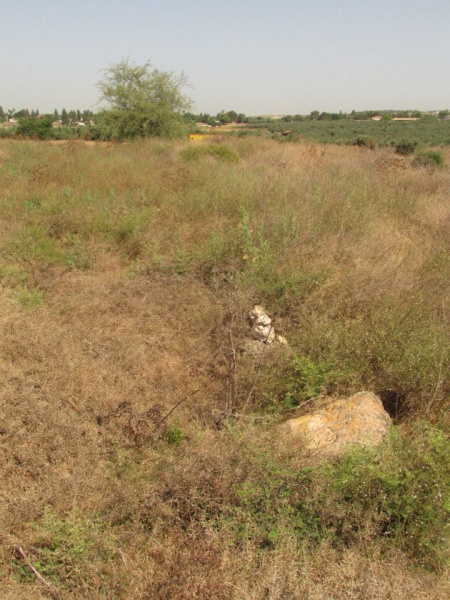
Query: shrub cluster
<point>405,148</point>
<point>428,159</point>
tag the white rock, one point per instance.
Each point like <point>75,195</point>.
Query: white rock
<point>262,328</point>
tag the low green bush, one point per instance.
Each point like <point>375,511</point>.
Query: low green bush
<point>394,496</point>
<point>361,141</point>
<point>193,153</point>
<point>174,434</point>
<point>66,550</point>
<point>29,298</point>
<point>35,128</point>
<point>309,378</point>
<point>399,494</point>
<point>428,159</point>
<point>405,147</point>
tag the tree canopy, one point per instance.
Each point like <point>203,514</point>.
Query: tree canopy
<point>35,128</point>
<point>142,100</point>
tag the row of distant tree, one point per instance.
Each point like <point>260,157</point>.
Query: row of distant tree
<point>65,116</point>
<point>224,117</point>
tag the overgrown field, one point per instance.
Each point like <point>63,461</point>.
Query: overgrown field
<point>139,451</point>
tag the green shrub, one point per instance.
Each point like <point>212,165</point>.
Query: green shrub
<point>174,434</point>
<point>428,159</point>
<point>295,380</point>
<point>66,550</point>
<point>271,503</point>
<point>363,142</point>
<point>405,147</point>
<point>35,128</point>
<point>35,243</point>
<point>193,153</point>
<point>7,132</point>
<point>399,494</point>
<point>394,496</point>
<point>29,298</point>
<point>309,378</point>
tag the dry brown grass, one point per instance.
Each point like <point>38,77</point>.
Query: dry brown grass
<point>133,319</point>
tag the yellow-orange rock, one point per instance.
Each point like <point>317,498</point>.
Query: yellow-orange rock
<point>360,419</point>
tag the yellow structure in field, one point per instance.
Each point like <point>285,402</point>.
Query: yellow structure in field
<point>196,137</point>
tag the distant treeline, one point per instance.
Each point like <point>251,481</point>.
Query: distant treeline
<point>57,125</point>
<point>231,116</point>
<point>322,126</point>
<point>66,117</point>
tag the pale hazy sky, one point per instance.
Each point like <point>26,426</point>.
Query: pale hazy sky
<point>252,56</point>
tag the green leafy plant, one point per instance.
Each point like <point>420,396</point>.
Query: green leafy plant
<point>405,147</point>
<point>361,141</point>
<point>29,298</point>
<point>399,494</point>
<point>174,434</point>
<point>194,153</point>
<point>35,128</point>
<point>271,503</point>
<point>65,549</point>
<point>308,378</point>
<point>428,159</point>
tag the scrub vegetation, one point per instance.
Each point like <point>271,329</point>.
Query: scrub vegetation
<point>140,459</point>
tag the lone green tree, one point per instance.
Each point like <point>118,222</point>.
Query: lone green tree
<point>142,101</point>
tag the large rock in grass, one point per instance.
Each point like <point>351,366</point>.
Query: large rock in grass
<point>338,424</point>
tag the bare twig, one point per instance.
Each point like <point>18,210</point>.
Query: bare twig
<point>167,415</point>
<point>50,588</point>
<point>258,369</point>
<point>232,374</point>
<point>123,557</point>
